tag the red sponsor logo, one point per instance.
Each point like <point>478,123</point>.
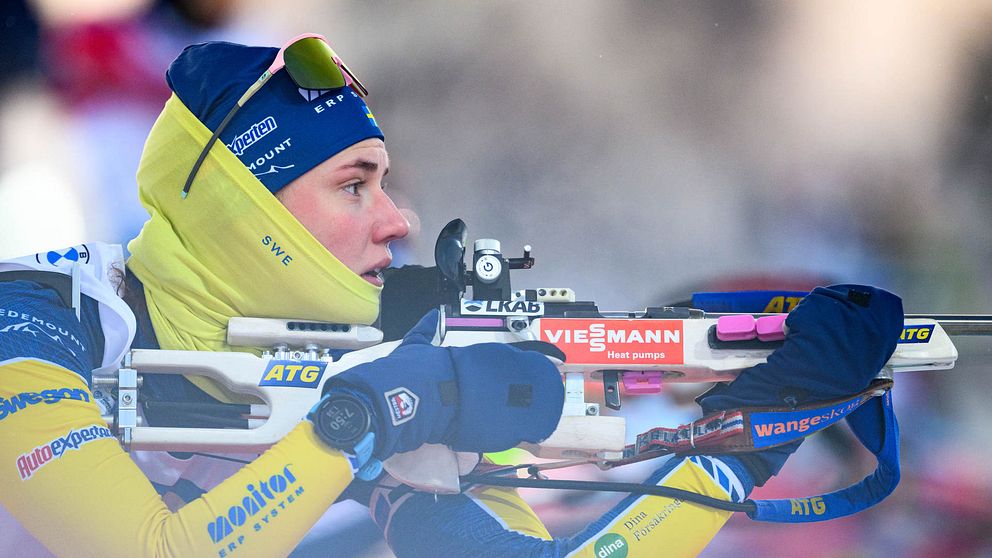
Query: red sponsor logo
<point>28,463</point>
<point>615,341</point>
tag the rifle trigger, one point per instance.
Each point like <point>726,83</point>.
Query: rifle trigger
<point>611,389</point>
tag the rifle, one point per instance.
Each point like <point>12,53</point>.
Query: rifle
<point>638,350</point>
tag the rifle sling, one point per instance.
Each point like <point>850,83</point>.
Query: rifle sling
<point>747,429</point>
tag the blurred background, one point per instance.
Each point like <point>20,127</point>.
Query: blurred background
<point>644,150</point>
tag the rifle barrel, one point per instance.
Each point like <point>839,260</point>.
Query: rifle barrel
<point>953,324</point>
<point>961,324</point>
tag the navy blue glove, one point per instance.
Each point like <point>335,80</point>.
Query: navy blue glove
<point>480,398</point>
<point>839,337</point>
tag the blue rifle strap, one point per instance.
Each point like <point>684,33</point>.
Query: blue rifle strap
<point>874,424</point>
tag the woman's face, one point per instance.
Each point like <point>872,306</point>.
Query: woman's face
<point>342,202</point>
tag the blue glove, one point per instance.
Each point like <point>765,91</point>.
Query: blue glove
<point>838,339</point>
<point>480,398</point>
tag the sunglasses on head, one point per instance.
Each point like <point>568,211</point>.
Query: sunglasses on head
<point>310,62</point>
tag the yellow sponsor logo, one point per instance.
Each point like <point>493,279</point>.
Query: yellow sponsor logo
<point>780,304</point>
<point>916,334</point>
<point>808,506</point>
<point>292,373</point>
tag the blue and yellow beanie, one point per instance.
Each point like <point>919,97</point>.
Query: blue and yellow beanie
<point>283,131</point>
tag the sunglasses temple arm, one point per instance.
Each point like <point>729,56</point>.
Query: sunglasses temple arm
<point>220,129</point>
<point>206,150</point>
<point>355,83</point>
<point>257,85</point>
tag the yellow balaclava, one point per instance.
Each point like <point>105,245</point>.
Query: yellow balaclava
<point>229,249</point>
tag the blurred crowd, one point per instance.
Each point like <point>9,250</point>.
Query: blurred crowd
<point>644,150</point>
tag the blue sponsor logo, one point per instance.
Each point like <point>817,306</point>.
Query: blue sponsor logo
<point>916,334</point>
<point>292,373</point>
<point>59,257</point>
<point>48,396</point>
<point>260,505</point>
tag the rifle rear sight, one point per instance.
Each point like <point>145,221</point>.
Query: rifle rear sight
<point>411,291</point>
